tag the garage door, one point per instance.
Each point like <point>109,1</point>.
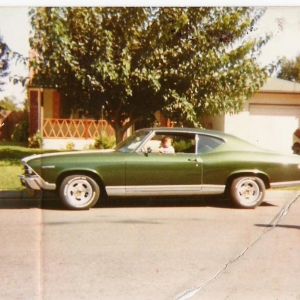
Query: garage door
<point>272,126</point>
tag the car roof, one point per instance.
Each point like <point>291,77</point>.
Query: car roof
<point>170,130</point>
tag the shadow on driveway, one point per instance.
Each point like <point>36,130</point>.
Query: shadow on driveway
<point>50,201</point>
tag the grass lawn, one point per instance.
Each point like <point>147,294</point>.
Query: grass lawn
<point>10,164</point>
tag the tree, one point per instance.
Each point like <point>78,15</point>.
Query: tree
<point>290,69</point>
<point>9,103</point>
<point>4,59</point>
<point>131,62</point>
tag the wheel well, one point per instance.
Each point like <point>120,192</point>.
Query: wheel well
<point>93,175</point>
<point>263,177</point>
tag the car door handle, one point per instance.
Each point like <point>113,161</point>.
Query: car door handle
<point>194,159</point>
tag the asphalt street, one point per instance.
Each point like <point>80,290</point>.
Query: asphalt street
<point>152,248</point>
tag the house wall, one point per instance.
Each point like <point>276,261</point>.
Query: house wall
<point>48,103</point>
<point>215,122</point>
<point>268,120</point>
<point>35,114</point>
<point>63,144</point>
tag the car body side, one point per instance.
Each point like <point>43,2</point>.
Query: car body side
<point>143,172</point>
<point>218,166</point>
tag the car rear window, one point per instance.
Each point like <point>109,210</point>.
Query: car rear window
<point>207,143</point>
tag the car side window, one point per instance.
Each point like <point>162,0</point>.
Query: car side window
<point>207,143</point>
<point>181,142</point>
<point>184,143</point>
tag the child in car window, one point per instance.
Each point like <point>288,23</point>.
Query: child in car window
<point>166,145</point>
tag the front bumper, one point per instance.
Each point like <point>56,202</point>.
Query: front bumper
<point>35,182</point>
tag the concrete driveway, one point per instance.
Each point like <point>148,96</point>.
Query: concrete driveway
<point>151,248</point>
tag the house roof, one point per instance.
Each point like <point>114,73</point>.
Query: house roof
<point>280,85</point>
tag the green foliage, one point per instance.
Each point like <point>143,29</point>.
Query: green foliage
<point>36,141</point>
<point>70,146</point>
<point>104,142</point>
<point>4,62</point>
<point>6,57</point>
<point>290,69</point>
<point>182,145</point>
<point>21,131</point>
<point>133,61</point>
<point>8,103</point>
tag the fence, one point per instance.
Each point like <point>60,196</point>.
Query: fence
<point>75,128</point>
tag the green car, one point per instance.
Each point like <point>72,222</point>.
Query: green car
<point>199,162</point>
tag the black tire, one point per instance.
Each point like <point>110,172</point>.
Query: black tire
<point>79,192</point>
<point>247,192</point>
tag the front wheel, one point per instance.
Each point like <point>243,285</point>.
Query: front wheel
<point>247,192</point>
<point>79,192</point>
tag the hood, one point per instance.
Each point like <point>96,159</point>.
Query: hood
<point>65,154</point>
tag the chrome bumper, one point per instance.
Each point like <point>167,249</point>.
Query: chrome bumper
<point>35,182</point>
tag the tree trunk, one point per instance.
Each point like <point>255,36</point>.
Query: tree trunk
<point>121,129</point>
<point>119,132</point>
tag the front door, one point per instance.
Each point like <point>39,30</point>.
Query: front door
<point>154,173</point>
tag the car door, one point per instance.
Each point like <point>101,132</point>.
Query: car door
<point>154,173</point>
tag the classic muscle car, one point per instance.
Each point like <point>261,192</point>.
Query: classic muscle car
<point>204,162</point>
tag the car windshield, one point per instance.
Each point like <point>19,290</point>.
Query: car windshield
<point>132,142</point>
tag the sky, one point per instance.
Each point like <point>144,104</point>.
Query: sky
<point>282,21</point>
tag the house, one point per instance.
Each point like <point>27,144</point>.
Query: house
<point>269,118</point>
<point>58,130</point>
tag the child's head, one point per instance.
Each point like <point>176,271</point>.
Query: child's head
<point>166,142</point>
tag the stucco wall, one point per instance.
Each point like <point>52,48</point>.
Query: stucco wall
<point>63,144</point>
<point>48,103</point>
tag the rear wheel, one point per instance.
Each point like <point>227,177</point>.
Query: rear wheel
<point>79,192</point>
<point>247,192</point>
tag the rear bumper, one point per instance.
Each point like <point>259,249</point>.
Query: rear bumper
<point>35,182</point>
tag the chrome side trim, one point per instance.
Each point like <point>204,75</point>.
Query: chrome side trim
<point>213,189</point>
<point>284,184</point>
<point>164,190</point>
<point>115,190</point>
<point>36,183</point>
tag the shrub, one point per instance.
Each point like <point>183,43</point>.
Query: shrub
<point>21,131</point>
<point>35,141</point>
<point>70,146</point>
<point>104,142</point>
<point>183,145</point>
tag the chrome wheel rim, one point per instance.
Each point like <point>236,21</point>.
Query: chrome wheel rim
<point>79,192</point>
<point>248,192</point>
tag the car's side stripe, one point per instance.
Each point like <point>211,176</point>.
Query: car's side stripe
<point>162,190</point>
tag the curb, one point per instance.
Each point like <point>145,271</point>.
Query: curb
<point>22,194</point>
